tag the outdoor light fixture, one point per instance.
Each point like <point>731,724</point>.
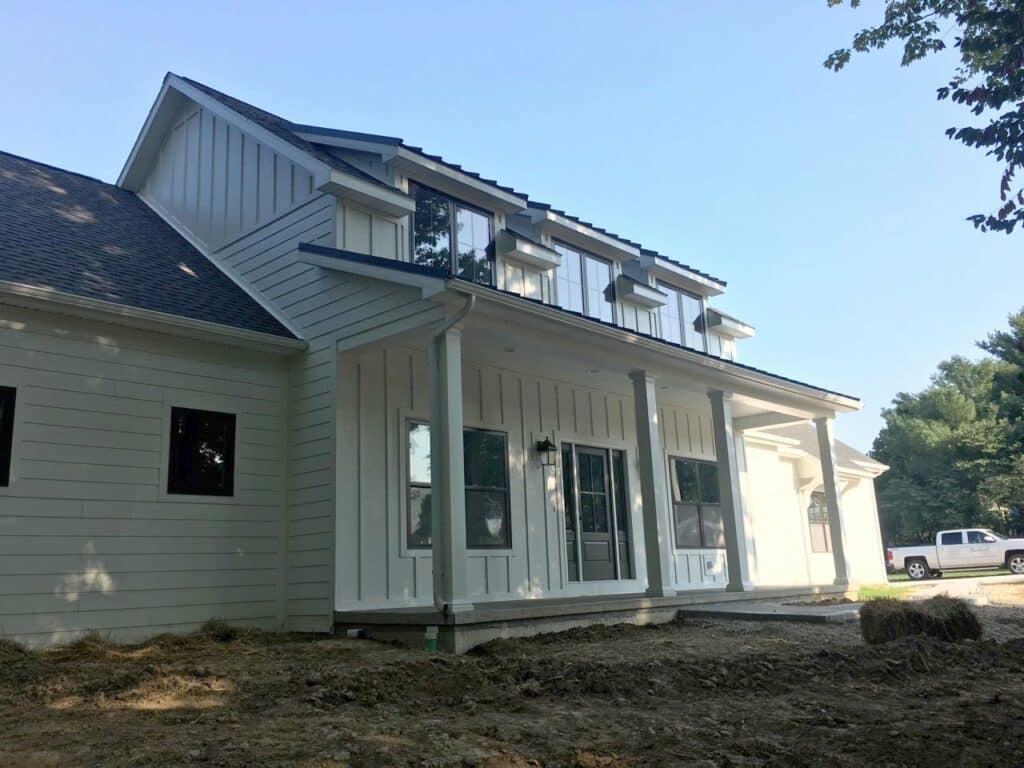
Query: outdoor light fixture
<point>548,451</point>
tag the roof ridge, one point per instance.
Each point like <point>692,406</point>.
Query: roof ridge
<point>52,167</point>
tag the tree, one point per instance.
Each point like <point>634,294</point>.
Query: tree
<point>989,35</point>
<point>956,449</point>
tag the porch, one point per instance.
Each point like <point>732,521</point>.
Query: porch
<point>459,632</point>
<point>619,492</point>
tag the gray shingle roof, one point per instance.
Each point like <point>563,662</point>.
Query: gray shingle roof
<point>73,234</point>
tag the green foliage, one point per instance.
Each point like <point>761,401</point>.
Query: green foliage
<point>956,449</point>
<point>989,35</point>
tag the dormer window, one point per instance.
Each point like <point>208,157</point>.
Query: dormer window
<point>681,319</point>
<point>440,221</point>
<point>583,283</point>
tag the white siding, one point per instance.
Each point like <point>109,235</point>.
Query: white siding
<point>89,538</point>
<point>218,182</point>
<point>384,386</point>
<point>864,553</point>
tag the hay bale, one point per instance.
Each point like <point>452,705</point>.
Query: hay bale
<point>943,618</point>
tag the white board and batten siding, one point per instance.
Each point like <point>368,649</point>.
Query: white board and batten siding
<point>384,387</point>
<point>89,538</point>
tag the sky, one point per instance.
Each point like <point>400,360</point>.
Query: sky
<point>833,204</point>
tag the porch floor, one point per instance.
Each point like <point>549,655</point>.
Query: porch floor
<point>521,618</point>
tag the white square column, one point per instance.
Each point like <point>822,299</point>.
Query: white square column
<point>659,545</point>
<point>833,500</point>
<point>731,498</point>
<point>447,473</point>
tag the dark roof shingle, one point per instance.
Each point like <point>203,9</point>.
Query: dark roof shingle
<point>77,235</point>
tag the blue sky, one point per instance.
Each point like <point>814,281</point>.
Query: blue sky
<point>832,203</point>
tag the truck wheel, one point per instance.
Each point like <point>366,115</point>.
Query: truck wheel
<point>918,569</point>
<point>1015,563</point>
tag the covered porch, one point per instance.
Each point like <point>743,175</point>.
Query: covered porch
<point>599,427</point>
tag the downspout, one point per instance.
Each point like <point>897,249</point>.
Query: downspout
<point>457,318</point>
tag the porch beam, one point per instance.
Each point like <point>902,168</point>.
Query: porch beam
<point>763,420</point>
<point>447,474</point>
<point>659,545</point>
<point>833,496</point>
<point>729,490</point>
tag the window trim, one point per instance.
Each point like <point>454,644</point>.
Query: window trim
<point>583,254</point>
<point>7,437</point>
<point>454,203</point>
<point>699,504</point>
<point>418,550</point>
<point>676,294</point>
<point>169,486</point>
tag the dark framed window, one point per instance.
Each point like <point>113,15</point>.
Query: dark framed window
<point>583,283</point>
<point>452,235</point>
<point>8,395</point>
<point>817,522</point>
<point>681,318</point>
<point>485,464</point>
<point>696,504</point>
<point>952,539</point>
<point>202,455</point>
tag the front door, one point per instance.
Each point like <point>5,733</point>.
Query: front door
<point>596,519</point>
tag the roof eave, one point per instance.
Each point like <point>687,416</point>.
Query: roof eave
<point>434,173</point>
<point>35,297</point>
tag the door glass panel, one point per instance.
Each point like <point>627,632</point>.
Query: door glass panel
<point>569,499</point>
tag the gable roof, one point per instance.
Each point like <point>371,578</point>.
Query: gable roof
<point>64,232</point>
<point>847,456</point>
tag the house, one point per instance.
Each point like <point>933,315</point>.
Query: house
<point>300,377</point>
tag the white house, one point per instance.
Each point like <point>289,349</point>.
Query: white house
<point>294,377</point>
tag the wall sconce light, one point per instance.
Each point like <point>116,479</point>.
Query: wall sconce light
<point>548,451</point>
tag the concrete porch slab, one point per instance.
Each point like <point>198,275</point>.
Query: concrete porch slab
<point>776,610</point>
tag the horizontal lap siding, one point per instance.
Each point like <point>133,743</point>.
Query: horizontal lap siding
<point>89,540</point>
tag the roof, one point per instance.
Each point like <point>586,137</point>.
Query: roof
<point>65,232</point>
<point>285,130</point>
<point>289,131</point>
<point>847,456</point>
<point>441,274</point>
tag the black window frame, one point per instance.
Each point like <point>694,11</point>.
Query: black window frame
<point>467,490</point>
<point>9,396</point>
<point>180,485</point>
<point>608,291</point>
<point>685,333</point>
<point>454,204</point>
<point>699,504</point>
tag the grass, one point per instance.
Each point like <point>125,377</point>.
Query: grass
<point>879,592</point>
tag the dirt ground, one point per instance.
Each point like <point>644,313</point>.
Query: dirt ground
<point>694,692</point>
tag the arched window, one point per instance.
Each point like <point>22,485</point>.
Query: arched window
<point>817,521</point>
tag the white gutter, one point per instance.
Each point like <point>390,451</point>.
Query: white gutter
<point>34,297</point>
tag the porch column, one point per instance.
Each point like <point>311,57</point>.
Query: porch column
<point>447,475</point>
<point>729,490</point>
<point>658,540</point>
<point>830,479</point>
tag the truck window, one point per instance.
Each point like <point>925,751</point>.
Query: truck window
<point>979,537</point>
<point>952,538</point>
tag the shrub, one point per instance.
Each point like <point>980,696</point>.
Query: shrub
<point>11,649</point>
<point>218,630</point>
<point>943,618</point>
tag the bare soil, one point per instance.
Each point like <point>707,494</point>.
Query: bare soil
<point>693,692</point>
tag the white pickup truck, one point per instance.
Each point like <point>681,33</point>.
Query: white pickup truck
<point>958,549</point>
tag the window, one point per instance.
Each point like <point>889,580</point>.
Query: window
<point>696,504</point>
<point>952,539</point>
<point>439,222</point>
<point>817,522</point>
<point>202,453</point>
<point>7,398</point>
<point>485,457</point>
<point>980,537</point>
<point>681,318</point>
<point>583,283</point>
